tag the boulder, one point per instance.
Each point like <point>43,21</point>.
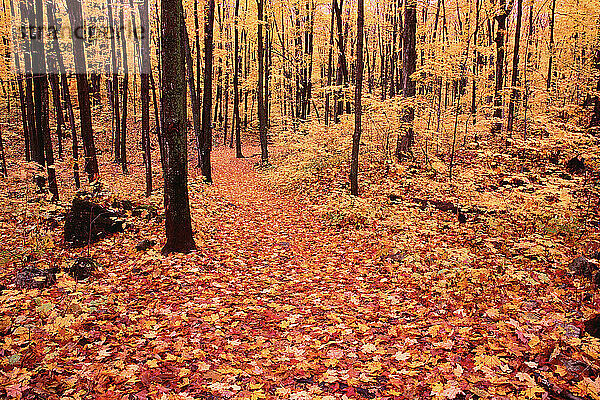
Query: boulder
<point>87,222</point>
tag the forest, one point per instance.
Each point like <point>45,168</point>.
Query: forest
<point>301,199</point>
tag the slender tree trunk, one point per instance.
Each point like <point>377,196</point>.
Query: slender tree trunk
<point>34,147</point>
<point>115,86</point>
<point>198,56</point>
<point>500,17</point>
<point>262,120</point>
<point>409,66</point>
<point>329,68</point>
<point>83,94</point>
<point>21,90</point>
<point>515,68</point>
<point>40,81</point>
<point>207,101</point>
<point>236,84</point>
<point>178,222</point>
<point>2,156</point>
<point>475,62</point>
<point>551,57</point>
<point>360,26</point>
<point>146,68</point>
<point>595,121</point>
<point>125,103</point>
<point>69,105</point>
<point>53,78</point>
<point>193,92</point>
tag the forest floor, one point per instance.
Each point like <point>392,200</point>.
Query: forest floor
<point>306,294</point>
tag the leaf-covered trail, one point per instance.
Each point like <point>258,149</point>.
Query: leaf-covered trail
<point>267,229</point>
<point>279,303</point>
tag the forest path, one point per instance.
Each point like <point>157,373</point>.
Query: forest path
<point>268,229</point>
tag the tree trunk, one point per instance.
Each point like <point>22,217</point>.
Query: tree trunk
<point>40,81</point>
<point>52,64</point>
<point>193,92</point>
<point>125,103</point>
<point>145,93</point>
<point>21,94</point>
<point>360,26</point>
<point>236,84</point>
<point>500,17</point>
<point>34,148</point>
<point>515,68</point>
<point>114,94</point>
<point>409,66</point>
<point>67,100</point>
<point>207,100</point>
<point>329,68</point>
<point>262,120</point>
<point>83,94</point>
<point>550,58</point>
<point>178,223</point>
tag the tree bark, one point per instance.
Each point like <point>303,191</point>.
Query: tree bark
<point>114,87</point>
<point>360,25</point>
<point>40,82</point>
<point>21,94</point>
<point>145,93</point>
<point>262,120</point>
<point>500,17</point>
<point>193,93</point>
<point>515,68</point>
<point>178,223</point>
<point>125,102</point>
<point>207,100</point>
<point>550,58</point>
<point>83,93</point>
<point>236,84</point>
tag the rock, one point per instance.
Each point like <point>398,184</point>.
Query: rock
<point>576,166</point>
<point>31,277</point>
<point>592,326</point>
<point>145,245</point>
<point>87,222</point>
<point>583,267</point>
<point>83,268</point>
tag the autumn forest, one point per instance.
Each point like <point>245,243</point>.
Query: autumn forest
<point>303,199</point>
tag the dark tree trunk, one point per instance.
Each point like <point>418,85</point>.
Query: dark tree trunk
<point>145,93</point>
<point>329,68</point>
<point>550,59</point>
<point>409,53</point>
<point>198,55</point>
<point>22,104</point>
<point>475,62</point>
<point>515,68</point>
<point>360,24</point>
<point>193,93</point>
<point>52,63</point>
<point>83,94</point>
<point>207,100</point>
<point>125,103</point>
<point>342,52</point>
<point>262,115</point>
<point>409,66</point>
<point>34,148</point>
<point>67,101</point>
<point>178,223</point>
<point>114,93</point>
<point>500,17</point>
<point>236,84</point>
<point>595,121</point>
<point>2,157</point>
<point>40,81</point>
